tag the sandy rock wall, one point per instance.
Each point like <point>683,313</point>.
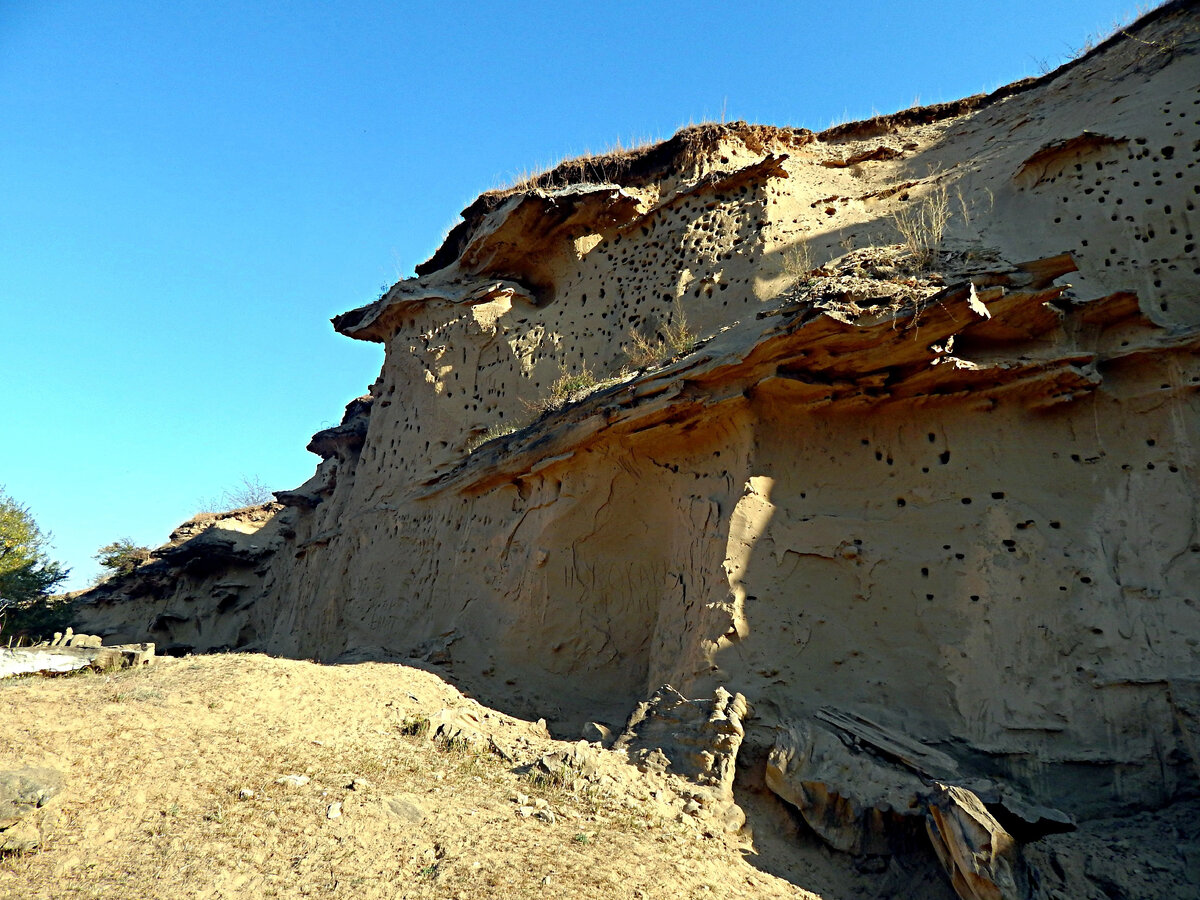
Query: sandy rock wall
<point>969,513</point>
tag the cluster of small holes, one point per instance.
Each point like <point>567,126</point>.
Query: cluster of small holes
<point>633,279</point>
<point>629,280</point>
<point>1147,189</point>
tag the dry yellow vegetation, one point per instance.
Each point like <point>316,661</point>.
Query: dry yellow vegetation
<point>172,790</point>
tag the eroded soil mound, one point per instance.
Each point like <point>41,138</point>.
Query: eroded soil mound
<point>172,788</point>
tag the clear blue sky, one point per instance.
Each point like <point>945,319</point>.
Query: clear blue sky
<point>190,190</point>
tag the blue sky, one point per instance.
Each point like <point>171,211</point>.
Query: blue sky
<point>190,190</point>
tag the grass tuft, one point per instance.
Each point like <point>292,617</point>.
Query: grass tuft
<point>415,726</point>
<point>923,225</point>
<point>567,387</point>
<point>498,430</point>
<point>674,338</point>
<point>798,265</point>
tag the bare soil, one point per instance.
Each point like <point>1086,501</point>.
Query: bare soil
<point>172,790</point>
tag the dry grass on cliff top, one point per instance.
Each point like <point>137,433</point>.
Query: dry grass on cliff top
<point>157,762</point>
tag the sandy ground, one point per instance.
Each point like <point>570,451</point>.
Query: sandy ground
<point>171,791</point>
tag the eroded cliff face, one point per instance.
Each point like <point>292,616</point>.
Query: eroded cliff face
<point>956,499</point>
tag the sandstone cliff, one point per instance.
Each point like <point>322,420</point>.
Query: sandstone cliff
<point>936,493</point>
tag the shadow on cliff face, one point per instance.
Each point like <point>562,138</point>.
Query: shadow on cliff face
<point>786,847</point>
<point>858,602</point>
<point>903,864</point>
<point>195,592</point>
<point>912,566</point>
<point>761,652</point>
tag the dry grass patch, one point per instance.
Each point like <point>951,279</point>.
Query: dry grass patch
<point>798,265</point>
<point>922,226</point>
<point>499,430</point>
<point>569,387</point>
<point>172,790</point>
<point>674,338</point>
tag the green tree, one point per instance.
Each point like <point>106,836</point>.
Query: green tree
<point>122,557</point>
<point>28,576</point>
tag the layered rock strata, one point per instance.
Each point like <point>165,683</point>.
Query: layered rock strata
<point>913,441</point>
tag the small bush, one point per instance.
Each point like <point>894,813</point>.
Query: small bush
<point>251,491</point>
<point>674,338</point>
<point>566,386</point>
<point>570,383</point>
<point>121,557</point>
<point>548,781</point>
<point>457,745</point>
<point>798,265</point>
<point>923,226</point>
<point>642,352</point>
<point>415,726</point>
<point>496,431</point>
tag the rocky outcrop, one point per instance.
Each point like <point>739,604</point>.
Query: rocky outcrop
<point>70,652</point>
<point>980,857</point>
<point>845,794</point>
<point>698,739</point>
<point>864,788</point>
<point>917,447</point>
<point>23,794</point>
<point>196,590</point>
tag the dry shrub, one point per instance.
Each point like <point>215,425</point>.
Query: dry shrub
<point>798,264</point>
<point>498,430</point>
<point>923,225</point>
<point>566,386</point>
<point>674,338</point>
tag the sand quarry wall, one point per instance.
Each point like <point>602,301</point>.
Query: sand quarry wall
<point>1006,566</point>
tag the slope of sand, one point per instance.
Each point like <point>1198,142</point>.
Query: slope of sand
<point>156,759</point>
<point>157,763</point>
